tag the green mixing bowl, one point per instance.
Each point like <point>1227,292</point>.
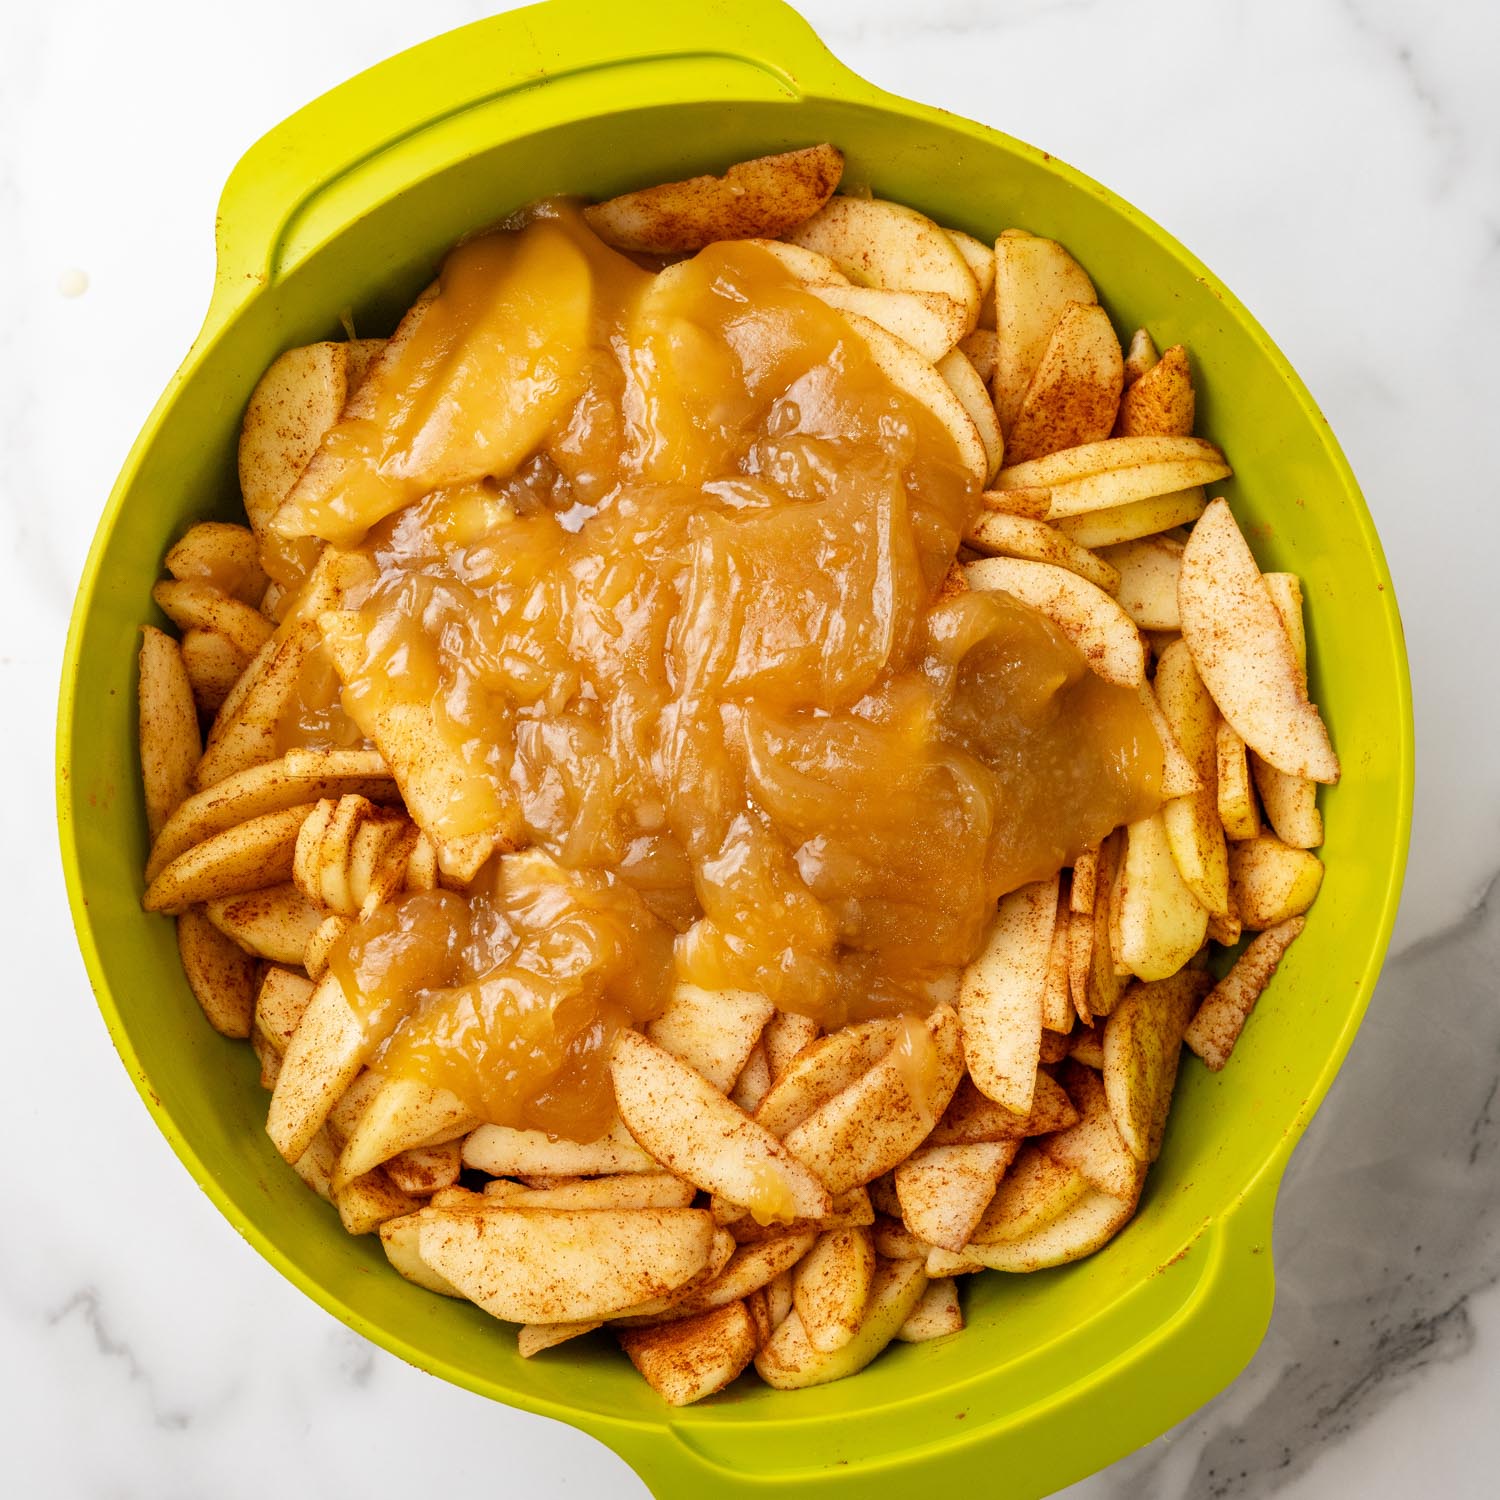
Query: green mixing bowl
<point>350,204</point>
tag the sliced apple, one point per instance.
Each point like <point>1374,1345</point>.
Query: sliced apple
<point>1035,279</point>
<point>712,1031</point>
<point>945,1190</point>
<point>275,923</point>
<point>806,266</point>
<point>1243,653</point>
<point>685,1361</point>
<point>1192,822</point>
<point>786,1036</point>
<point>1116,472</point>
<point>1035,1191</point>
<point>1140,356</point>
<point>1270,881</point>
<point>1090,618</point>
<point>884,1115</point>
<point>972,1117</point>
<point>326,1052</point>
<point>1148,569</point>
<point>821,1069</point>
<point>981,349</point>
<point>1000,535</point>
<point>935,1316</point>
<point>1238,810</point>
<point>930,322</point>
<point>1161,924</point>
<point>974,397</point>
<point>537,1265</point>
<point>1160,402</point>
<point>244,734</point>
<point>1081,1230</point>
<point>503,1151</point>
<point>1075,391</point>
<point>403,1112</point>
<point>1221,1018</point>
<point>831,1285</point>
<point>1034,504</point>
<point>1291,802</point>
<point>1133,520</point>
<point>1094,1145</point>
<point>169,739</point>
<point>1178,778</point>
<point>980,258</point>
<point>1142,1048</point>
<point>1000,996</point>
<point>888,245</point>
<point>790,1362</point>
<point>220,974</point>
<point>685,1123</point>
<point>766,196</point>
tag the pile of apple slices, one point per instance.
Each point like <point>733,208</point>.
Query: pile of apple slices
<point>769,1194</point>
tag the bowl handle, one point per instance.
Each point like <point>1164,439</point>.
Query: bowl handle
<point>1171,1343</point>
<point>621,54</point>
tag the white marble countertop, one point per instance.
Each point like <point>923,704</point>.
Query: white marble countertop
<point>1338,163</point>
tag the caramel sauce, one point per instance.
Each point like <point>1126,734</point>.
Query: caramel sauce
<point>657,567</point>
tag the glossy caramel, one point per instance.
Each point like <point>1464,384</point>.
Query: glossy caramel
<point>659,558</point>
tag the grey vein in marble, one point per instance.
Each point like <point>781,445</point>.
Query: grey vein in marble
<point>1364,1301</point>
<point>84,1307</point>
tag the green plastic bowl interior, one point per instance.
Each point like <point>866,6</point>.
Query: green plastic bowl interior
<point>350,205</point>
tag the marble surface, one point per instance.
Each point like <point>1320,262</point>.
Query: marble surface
<point>1338,163</point>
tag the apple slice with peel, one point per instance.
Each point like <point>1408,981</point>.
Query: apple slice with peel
<point>956,368</point>
<point>930,322</point>
<point>1090,1224</point>
<point>998,534</point>
<point>1158,924</point>
<point>1035,279</point>
<point>1034,1191</point>
<point>1194,830</point>
<point>790,1362</point>
<point>1243,652</point>
<point>831,1286</point>
<point>680,1119</point>
<point>1084,613</point>
<point>1132,520</point>
<point>1291,802</point>
<point>885,1114</point>
<point>1142,1047</point>
<point>1000,997</point>
<point>1216,1027</point>
<point>540,1265</point>
<point>889,245</point>
<point>763,197</point>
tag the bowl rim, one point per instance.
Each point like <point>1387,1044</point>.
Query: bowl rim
<point>781,42</point>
